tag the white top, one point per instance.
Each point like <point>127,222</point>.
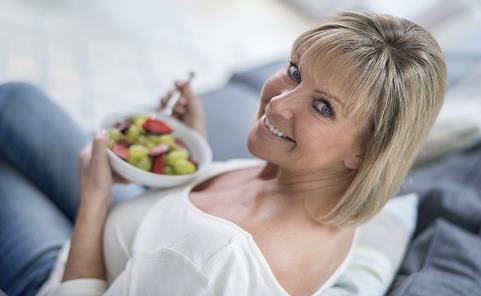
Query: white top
<point>161,244</point>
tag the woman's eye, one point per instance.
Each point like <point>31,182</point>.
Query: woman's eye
<point>323,107</point>
<point>294,73</point>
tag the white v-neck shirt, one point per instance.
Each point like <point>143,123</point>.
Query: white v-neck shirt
<point>161,244</point>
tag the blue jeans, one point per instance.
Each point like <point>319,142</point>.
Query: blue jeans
<point>39,185</point>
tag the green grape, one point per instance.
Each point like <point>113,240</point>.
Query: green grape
<point>139,122</point>
<point>156,139</point>
<point>144,140</point>
<point>144,164</point>
<point>150,145</point>
<point>133,133</point>
<point>167,139</point>
<point>161,139</point>
<point>175,155</point>
<point>115,135</point>
<point>168,170</point>
<point>183,166</point>
<point>151,141</point>
<point>175,146</point>
<point>137,152</point>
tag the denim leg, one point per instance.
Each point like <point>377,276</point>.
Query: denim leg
<point>39,185</point>
<point>42,142</point>
<point>32,231</point>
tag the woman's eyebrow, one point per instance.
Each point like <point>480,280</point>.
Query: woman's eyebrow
<point>329,96</point>
<point>322,92</point>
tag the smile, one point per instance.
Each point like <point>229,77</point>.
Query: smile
<point>275,131</point>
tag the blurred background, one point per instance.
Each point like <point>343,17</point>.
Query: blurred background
<point>97,57</point>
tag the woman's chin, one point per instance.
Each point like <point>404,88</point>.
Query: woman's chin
<point>258,148</point>
<point>262,144</point>
<point>254,148</point>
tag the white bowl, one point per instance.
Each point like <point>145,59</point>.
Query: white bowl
<point>197,145</point>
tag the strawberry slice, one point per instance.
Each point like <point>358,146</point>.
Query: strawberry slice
<point>180,142</point>
<point>124,143</point>
<point>158,166</point>
<point>156,126</point>
<point>121,151</point>
<point>159,149</point>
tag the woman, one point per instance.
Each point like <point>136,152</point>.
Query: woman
<point>337,130</point>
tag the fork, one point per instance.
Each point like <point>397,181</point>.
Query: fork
<point>171,101</point>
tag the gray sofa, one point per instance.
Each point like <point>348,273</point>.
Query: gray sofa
<point>443,257</point>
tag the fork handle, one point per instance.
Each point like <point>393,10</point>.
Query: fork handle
<point>169,106</point>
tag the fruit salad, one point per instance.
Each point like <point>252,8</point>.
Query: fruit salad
<point>148,144</point>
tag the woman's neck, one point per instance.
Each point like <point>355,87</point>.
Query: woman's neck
<point>292,188</point>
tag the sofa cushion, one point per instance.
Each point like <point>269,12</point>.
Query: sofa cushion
<point>230,111</point>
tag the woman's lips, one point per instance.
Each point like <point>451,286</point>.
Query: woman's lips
<point>265,130</point>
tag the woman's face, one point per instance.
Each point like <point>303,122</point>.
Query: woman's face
<point>315,132</point>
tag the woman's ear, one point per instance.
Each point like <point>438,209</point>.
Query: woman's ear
<point>353,162</point>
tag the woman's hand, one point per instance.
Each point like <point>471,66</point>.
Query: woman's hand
<point>85,259</point>
<point>96,177</point>
<point>188,108</point>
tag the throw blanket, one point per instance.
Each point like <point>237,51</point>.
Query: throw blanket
<point>444,257</point>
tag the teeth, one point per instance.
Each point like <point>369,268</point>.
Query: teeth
<point>274,130</point>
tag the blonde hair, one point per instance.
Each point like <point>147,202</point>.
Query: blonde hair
<point>393,73</point>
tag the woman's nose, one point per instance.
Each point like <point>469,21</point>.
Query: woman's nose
<point>282,105</point>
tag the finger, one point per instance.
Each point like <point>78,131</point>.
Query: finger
<point>182,101</point>
<point>86,148</point>
<point>164,99</point>
<point>119,179</point>
<point>163,102</point>
<point>180,85</point>
<point>186,91</point>
<point>180,109</point>
<point>169,93</point>
<point>179,117</point>
<point>84,155</point>
<point>99,153</point>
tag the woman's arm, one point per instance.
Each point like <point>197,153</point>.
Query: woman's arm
<point>85,258</point>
